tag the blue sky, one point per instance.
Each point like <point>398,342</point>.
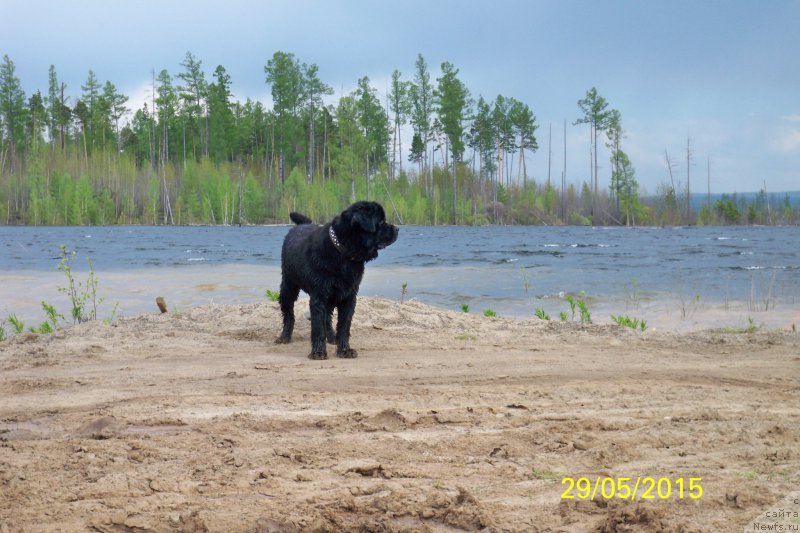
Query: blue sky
<point>725,73</point>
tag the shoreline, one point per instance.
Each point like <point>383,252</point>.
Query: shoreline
<point>186,287</point>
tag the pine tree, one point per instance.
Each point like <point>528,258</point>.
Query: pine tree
<point>595,114</point>
<point>193,95</point>
<point>313,91</point>
<point>523,124</point>
<point>222,134</point>
<point>285,79</point>
<point>452,99</point>
<point>90,97</point>
<point>399,104</point>
<point>420,95</point>
<point>374,125</point>
<point>13,112</point>
<point>115,102</point>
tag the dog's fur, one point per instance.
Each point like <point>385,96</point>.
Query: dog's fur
<point>329,268</point>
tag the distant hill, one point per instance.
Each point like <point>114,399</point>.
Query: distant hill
<point>776,199</point>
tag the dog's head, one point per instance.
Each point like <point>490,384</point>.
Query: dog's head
<point>362,230</point>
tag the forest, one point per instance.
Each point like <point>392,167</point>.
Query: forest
<point>194,155</point>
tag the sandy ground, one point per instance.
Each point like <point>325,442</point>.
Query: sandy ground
<point>196,421</point>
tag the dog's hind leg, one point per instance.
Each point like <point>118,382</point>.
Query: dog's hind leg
<point>345,309</point>
<point>289,294</point>
<point>319,320</point>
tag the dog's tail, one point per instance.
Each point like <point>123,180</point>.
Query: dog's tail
<point>298,219</point>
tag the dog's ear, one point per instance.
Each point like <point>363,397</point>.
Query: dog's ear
<point>365,221</point>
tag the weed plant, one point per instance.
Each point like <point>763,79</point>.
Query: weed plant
<point>633,292</point>
<point>16,323</point>
<point>82,296</point>
<point>571,300</point>
<point>272,296</point>
<point>489,313</point>
<point>583,309</point>
<point>541,314</point>
<point>690,308</point>
<point>633,323</point>
<point>767,300</point>
<point>526,280</point>
<point>586,317</point>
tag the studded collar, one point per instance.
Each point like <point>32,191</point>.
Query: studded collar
<point>335,241</point>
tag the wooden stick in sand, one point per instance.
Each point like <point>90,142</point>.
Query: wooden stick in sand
<point>162,304</point>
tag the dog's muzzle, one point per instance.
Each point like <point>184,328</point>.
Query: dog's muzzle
<point>395,232</point>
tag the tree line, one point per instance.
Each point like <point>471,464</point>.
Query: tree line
<point>192,154</point>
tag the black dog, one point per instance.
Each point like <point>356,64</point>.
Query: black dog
<point>327,262</point>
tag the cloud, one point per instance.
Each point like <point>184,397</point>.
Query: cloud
<point>787,142</point>
<point>791,118</point>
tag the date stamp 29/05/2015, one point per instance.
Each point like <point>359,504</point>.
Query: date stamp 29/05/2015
<point>631,488</point>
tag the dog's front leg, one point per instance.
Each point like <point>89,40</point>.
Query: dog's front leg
<point>345,311</point>
<point>319,319</point>
<point>329,333</point>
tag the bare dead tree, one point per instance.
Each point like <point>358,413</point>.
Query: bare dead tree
<point>689,154</point>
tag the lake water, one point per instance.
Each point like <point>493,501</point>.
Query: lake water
<point>676,278</point>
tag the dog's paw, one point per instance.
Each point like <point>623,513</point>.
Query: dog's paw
<point>317,356</point>
<point>283,340</point>
<point>347,354</point>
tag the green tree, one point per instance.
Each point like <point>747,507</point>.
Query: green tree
<point>482,136</point>
<point>523,124</point>
<point>37,120</point>
<point>193,94</point>
<point>452,99</point>
<point>727,210</point>
<point>313,91</point>
<point>503,131</point>
<point>91,97</point>
<point>220,117</point>
<point>59,113</point>
<point>628,188</point>
<point>115,102</point>
<point>136,136</point>
<point>166,102</point>
<point>596,114</point>
<point>13,112</point>
<point>420,96</point>
<point>614,133</point>
<point>400,106</point>
<point>285,78</point>
<point>82,119</point>
<point>417,152</point>
<point>351,149</point>
<point>51,102</point>
<point>374,125</point>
